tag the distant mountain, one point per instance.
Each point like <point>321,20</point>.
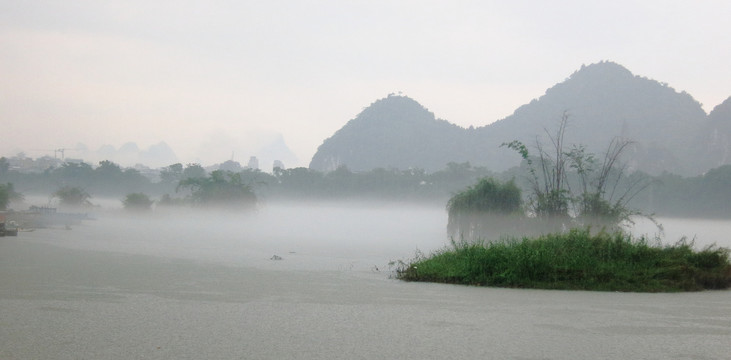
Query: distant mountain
<point>395,132</point>
<point>158,155</point>
<point>275,149</point>
<point>717,133</point>
<point>603,101</point>
<point>129,154</point>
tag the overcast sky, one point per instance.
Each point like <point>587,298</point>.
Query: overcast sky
<point>214,77</point>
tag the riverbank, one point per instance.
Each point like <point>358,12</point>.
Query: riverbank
<point>85,301</point>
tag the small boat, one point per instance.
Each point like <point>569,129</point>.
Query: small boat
<point>8,231</point>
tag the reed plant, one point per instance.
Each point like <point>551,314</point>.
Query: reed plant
<point>576,260</point>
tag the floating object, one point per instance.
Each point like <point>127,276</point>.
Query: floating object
<point>5,231</point>
<point>276,257</point>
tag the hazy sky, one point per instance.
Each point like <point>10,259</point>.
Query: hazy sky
<point>215,77</point>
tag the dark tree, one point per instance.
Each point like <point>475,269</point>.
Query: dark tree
<point>193,170</point>
<point>137,202</point>
<point>220,188</point>
<point>7,195</point>
<point>486,209</point>
<point>73,197</point>
<point>172,174</point>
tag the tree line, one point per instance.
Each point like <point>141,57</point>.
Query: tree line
<point>667,194</point>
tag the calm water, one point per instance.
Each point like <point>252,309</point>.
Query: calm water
<point>192,286</point>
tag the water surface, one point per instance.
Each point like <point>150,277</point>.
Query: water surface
<point>193,286</point>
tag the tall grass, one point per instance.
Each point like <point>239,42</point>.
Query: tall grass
<point>576,260</point>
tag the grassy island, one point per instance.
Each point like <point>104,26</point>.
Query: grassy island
<point>576,260</point>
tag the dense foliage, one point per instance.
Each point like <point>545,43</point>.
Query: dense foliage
<point>220,188</point>
<point>576,260</point>
<point>667,194</point>
<point>707,195</point>
<point>107,179</point>
<point>8,194</point>
<point>73,197</point>
<point>137,202</point>
<point>484,209</point>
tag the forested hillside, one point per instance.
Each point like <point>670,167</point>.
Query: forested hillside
<point>395,132</point>
<point>670,130</point>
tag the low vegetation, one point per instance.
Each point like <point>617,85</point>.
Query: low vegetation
<point>220,188</point>
<point>570,192</point>
<point>487,209</point>
<point>72,197</point>
<point>573,185</point>
<point>137,202</point>
<point>576,260</point>
<point>8,195</point>
<point>664,194</point>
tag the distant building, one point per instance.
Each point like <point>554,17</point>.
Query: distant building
<point>43,163</point>
<point>230,165</point>
<point>277,164</point>
<point>74,161</point>
<point>253,163</point>
<point>25,164</point>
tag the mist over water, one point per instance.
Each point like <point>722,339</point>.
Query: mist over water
<point>193,283</point>
<point>322,236</point>
<point>703,232</point>
<point>310,235</point>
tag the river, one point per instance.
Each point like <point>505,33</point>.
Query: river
<point>194,285</point>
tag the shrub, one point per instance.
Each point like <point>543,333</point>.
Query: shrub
<point>7,195</point>
<point>576,260</point>
<point>488,205</point>
<point>73,197</point>
<point>137,202</point>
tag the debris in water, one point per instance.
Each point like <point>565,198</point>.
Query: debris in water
<point>276,257</point>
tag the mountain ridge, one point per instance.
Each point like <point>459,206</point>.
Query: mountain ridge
<point>603,100</point>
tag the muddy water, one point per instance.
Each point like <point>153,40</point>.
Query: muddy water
<point>186,286</point>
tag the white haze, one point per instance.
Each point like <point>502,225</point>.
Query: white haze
<point>323,236</point>
<point>355,235</point>
<point>703,232</point>
<point>194,284</point>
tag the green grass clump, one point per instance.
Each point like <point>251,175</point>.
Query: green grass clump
<point>577,260</point>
